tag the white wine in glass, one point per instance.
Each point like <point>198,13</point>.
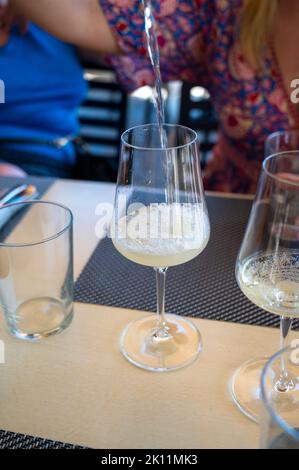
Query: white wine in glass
<point>271,281</point>
<point>160,220</point>
<point>165,242</point>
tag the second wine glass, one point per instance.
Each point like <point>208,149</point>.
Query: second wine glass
<point>267,268</point>
<point>160,220</point>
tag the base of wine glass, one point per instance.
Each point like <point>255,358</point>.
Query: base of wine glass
<point>178,348</point>
<point>245,388</point>
<point>246,392</point>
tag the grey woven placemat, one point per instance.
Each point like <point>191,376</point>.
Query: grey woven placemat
<point>11,440</point>
<point>204,288</point>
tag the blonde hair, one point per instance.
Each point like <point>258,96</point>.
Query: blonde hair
<point>256,24</point>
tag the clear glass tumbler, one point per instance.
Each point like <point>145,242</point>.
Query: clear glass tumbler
<point>36,268</point>
<point>280,410</point>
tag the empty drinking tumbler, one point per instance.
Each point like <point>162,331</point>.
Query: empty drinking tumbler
<point>36,268</point>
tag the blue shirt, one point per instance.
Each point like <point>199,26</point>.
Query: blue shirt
<point>44,86</point>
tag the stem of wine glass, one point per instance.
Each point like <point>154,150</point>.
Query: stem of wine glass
<point>284,382</point>
<point>161,321</point>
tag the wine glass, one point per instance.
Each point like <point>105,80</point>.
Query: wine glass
<point>280,411</point>
<point>160,220</point>
<point>267,267</point>
<point>282,141</point>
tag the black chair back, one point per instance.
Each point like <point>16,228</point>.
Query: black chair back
<point>197,113</point>
<point>102,119</point>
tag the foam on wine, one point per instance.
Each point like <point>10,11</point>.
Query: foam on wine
<point>162,235</point>
<point>271,281</point>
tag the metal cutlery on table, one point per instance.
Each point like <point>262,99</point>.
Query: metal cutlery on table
<point>17,194</point>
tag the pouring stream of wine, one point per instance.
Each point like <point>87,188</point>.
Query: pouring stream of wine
<point>154,55</point>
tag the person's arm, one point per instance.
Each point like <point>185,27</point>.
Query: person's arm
<point>6,169</point>
<point>79,22</point>
<point>7,20</point>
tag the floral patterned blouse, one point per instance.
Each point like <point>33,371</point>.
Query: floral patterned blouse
<point>198,44</point>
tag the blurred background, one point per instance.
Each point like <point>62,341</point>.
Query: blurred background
<point>108,111</point>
